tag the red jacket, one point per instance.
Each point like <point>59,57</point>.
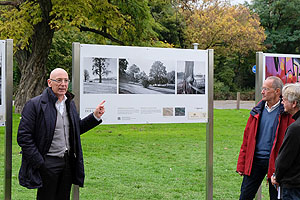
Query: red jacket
<point>244,164</point>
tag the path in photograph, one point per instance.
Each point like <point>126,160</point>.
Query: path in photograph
<point>133,88</point>
<point>106,87</point>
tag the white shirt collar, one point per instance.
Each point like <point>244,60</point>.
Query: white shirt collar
<point>60,105</point>
<point>273,107</point>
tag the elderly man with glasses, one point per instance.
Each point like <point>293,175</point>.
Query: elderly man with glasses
<point>263,137</point>
<point>49,135</point>
<point>287,164</point>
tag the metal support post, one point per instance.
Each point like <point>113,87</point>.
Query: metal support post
<point>258,85</point>
<point>209,127</point>
<point>258,76</point>
<point>8,117</point>
<point>76,92</point>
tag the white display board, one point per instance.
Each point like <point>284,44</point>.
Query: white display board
<point>144,85</point>
<point>2,82</point>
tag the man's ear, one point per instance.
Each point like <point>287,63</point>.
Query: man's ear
<point>294,104</point>
<point>277,90</point>
<point>49,82</point>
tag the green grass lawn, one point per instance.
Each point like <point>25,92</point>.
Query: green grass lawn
<point>152,161</point>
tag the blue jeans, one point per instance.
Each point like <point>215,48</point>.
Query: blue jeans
<point>290,193</point>
<point>251,183</point>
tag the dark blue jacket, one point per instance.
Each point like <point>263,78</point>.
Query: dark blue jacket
<point>36,132</point>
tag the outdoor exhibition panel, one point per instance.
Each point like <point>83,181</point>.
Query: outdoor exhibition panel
<point>2,82</point>
<point>144,85</point>
<point>285,66</point>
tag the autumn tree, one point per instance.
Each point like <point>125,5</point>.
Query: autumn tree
<point>32,25</point>
<point>226,29</point>
<point>232,31</point>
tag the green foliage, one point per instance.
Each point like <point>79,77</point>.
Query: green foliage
<point>220,87</point>
<point>18,23</point>
<point>128,22</point>
<point>156,23</point>
<point>224,72</point>
<point>61,52</point>
<point>281,22</point>
<point>171,22</point>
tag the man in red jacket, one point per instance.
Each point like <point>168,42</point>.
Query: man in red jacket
<point>263,137</point>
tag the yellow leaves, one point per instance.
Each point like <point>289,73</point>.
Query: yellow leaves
<point>225,28</point>
<point>17,24</point>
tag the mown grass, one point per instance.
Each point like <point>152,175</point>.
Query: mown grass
<point>152,161</point>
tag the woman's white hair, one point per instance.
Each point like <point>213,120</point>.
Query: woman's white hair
<point>291,92</point>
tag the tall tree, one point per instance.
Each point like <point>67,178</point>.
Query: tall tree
<point>123,63</point>
<point>171,22</point>
<point>232,31</point>
<point>86,75</point>
<point>100,67</point>
<point>133,72</point>
<point>281,21</point>
<point>226,29</point>
<point>32,24</point>
<point>158,73</point>
<point>171,77</point>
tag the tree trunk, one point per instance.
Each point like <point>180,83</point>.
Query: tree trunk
<point>32,62</point>
<point>100,77</point>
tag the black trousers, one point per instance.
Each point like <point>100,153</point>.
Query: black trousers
<point>251,183</point>
<point>57,179</point>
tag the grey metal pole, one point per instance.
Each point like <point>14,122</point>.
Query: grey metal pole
<point>209,127</point>
<point>8,117</point>
<point>258,76</point>
<point>258,85</point>
<point>76,92</point>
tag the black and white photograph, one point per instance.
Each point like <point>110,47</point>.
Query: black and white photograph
<point>190,77</point>
<point>100,75</point>
<point>146,76</point>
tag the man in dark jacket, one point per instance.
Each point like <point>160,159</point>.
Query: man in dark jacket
<point>49,135</point>
<point>287,164</point>
<point>263,137</point>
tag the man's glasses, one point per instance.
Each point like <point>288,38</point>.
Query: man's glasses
<point>60,81</point>
<point>265,89</point>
